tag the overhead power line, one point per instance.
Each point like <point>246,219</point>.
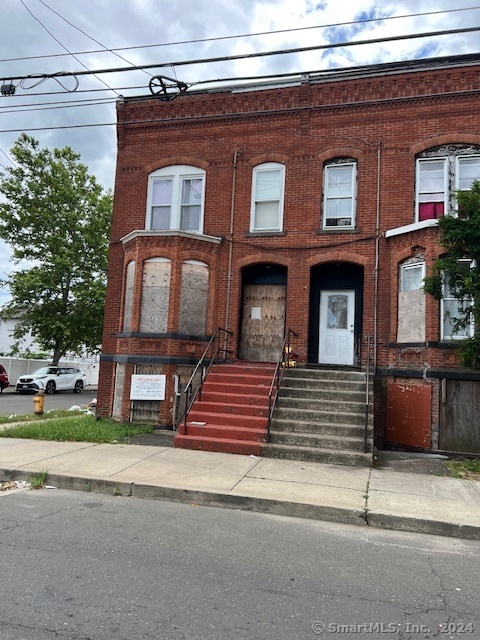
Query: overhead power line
<point>104,48</point>
<point>64,47</point>
<point>113,50</point>
<point>262,54</point>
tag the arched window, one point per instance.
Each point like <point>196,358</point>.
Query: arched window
<point>155,295</point>
<point>268,182</point>
<point>176,199</point>
<point>193,298</point>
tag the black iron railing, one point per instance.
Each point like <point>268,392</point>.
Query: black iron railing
<point>285,360</point>
<point>186,395</point>
<point>367,393</point>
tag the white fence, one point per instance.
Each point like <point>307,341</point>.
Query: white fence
<point>19,366</point>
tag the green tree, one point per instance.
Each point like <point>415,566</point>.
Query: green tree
<point>56,218</point>
<point>460,269</point>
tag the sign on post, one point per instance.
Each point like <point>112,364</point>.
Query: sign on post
<point>147,387</point>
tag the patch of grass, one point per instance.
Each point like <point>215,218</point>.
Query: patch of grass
<point>466,468</point>
<point>57,413</point>
<point>77,428</point>
<point>37,481</point>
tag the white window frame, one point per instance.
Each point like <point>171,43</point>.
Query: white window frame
<point>424,162</point>
<point>267,166</point>
<point>458,160</point>
<point>470,328</point>
<point>177,174</point>
<point>409,266</point>
<point>451,175</point>
<point>352,196</point>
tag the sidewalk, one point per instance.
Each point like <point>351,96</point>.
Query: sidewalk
<point>384,497</point>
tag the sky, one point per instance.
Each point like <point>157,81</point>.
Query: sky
<point>45,37</point>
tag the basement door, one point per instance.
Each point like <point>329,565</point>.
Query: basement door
<point>337,321</point>
<point>263,322</point>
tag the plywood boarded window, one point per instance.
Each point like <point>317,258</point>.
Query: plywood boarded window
<point>193,298</point>
<point>411,303</point>
<point>129,284</point>
<point>155,295</point>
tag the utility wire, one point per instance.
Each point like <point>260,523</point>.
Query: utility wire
<point>104,47</point>
<point>64,47</point>
<point>262,54</point>
<point>245,35</point>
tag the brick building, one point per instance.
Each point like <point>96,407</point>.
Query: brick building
<point>310,203</point>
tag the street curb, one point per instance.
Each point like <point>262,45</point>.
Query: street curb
<point>249,503</point>
<point>422,525</point>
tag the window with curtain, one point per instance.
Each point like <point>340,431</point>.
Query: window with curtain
<point>439,173</point>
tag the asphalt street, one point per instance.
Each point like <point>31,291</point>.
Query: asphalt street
<point>12,403</point>
<point>98,567</point>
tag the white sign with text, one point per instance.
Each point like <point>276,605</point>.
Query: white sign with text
<point>148,387</point>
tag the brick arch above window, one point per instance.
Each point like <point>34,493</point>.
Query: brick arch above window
<point>456,138</point>
<point>171,161</point>
<point>340,152</point>
<point>264,158</point>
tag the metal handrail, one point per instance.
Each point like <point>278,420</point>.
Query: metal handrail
<point>367,395</point>
<point>191,391</point>
<point>282,363</point>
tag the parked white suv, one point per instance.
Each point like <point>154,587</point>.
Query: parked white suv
<point>52,379</point>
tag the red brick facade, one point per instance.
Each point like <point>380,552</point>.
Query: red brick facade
<point>379,118</point>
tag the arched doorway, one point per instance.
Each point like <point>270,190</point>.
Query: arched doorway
<point>335,316</point>
<point>262,321</point>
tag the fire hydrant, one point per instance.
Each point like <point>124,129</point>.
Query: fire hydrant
<point>39,401</point>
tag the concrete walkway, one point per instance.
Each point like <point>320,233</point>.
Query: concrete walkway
<point>383,497</point>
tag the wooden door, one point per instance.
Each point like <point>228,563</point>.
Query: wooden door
<point>263,322</point>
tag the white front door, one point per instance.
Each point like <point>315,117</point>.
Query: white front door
<point>337,319</point>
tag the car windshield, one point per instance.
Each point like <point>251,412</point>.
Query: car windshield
<point>45,371</point>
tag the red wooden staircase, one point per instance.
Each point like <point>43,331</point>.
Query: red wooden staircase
<point>231,414</point>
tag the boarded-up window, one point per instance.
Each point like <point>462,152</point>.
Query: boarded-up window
<point>129,284</point>
<point>411,303</point>
<point>193,298</point>
<point>155,295</point>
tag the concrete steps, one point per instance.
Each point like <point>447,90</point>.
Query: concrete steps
<point>321,417</point>
<point>231,414</point>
